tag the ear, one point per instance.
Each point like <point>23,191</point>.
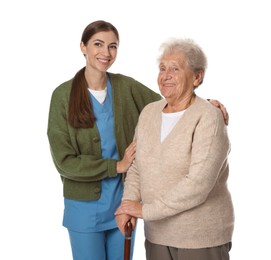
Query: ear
<point>83,48</point>
<point>198,78</point>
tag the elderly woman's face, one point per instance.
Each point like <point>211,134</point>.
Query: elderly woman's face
<point>175,79</point>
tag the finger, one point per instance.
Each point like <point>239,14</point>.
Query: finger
<point>227,118</point>
<point>118,212</point>
<point>225,114</point>
<point>214,102</point>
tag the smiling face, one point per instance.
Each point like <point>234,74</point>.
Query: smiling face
<point>100,51</point>
<point>176,81</point>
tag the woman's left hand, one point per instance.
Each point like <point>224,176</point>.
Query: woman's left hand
<point>132,208</point>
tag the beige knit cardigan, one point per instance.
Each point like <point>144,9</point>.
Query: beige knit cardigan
<point>182,181</point>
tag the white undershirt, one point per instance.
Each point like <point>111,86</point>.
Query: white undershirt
<point>169,120</point>
<point>100,95</point>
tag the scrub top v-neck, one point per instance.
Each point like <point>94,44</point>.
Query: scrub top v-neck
<point>98,215</point>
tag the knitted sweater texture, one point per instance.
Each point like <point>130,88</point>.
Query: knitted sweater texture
<point>77,152</point>
<point>182,182</point>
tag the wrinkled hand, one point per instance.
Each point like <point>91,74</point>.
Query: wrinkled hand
<point>129,156</point>
<point>122,219</point>
<point>223,109</point>
<point>132,208</point>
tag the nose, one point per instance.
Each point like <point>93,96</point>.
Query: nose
<point>168,74</point>
<point>106,51</point>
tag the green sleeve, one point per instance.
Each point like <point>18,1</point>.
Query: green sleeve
<point>76,152</point>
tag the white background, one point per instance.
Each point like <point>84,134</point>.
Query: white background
<point>40,49</point>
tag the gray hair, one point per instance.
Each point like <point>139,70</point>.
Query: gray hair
<point>195,57</point>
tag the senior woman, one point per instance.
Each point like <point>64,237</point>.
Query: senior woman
<point>178,181</point>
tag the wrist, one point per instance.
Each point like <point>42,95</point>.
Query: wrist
<point>119,167</point>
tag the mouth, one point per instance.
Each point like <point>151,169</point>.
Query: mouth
<point>104,61</point>
<point>168,85</point>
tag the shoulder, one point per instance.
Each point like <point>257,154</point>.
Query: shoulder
<point>117,78</point>
<point>125,85</point>
<point>153,107</point>
<point>207,115</point>
<point>63,90</point>
<point>156,105</point>
<point>206,108</point>
<point>63,87</point>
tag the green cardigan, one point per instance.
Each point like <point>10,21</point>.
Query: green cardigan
<point>77,152</point>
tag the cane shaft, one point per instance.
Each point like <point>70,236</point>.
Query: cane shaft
<point>127,242</point>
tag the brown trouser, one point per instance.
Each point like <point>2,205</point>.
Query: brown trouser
<point>159,252</point>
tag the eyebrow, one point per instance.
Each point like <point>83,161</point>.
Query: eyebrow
<point>104,42</point>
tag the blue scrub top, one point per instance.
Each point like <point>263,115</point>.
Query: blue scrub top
<point>98,215</point>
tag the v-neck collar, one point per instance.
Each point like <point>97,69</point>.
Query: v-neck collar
<point>107,104</point>
<point>158,122</point>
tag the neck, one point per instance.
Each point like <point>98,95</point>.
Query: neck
<point>95,80</point>
<point>179,105</point>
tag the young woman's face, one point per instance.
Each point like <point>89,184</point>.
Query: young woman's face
<point>100,51</point>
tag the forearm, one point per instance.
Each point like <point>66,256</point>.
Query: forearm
<point>79,167</point>
<point>132,184</point>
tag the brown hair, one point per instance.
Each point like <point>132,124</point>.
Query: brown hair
<point>80,114</point>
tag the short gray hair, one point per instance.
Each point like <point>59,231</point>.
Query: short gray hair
<point>195,57</point>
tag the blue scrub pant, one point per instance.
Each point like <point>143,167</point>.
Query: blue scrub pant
<point>104,245</point>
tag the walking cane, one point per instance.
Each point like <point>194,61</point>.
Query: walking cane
<point>127,242</point>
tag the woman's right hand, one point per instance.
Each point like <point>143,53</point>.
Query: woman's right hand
<point>129,156</point>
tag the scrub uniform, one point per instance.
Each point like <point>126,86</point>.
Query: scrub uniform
<point>93,231</point>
